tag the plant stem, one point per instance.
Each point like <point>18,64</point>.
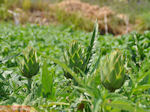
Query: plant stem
<point>29,84</point>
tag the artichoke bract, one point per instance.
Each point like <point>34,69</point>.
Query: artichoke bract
<point>74,58</point>
<point>113,71</point>
<point>30,65</point>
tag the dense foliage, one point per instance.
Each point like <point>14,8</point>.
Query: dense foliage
<point>50,89</point>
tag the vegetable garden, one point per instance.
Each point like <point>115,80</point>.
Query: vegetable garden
<point>59,69</point>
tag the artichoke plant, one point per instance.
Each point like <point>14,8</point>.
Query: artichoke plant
<point>30,65</point>
<point>113,71</point>
<point>74,58</point>
<point>79,59</point>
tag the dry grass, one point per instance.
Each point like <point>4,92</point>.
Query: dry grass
<point>116,25</point>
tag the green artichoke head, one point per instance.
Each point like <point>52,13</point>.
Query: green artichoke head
<point>74,58</point>
<point>113,71</point>
<point>29,66</point>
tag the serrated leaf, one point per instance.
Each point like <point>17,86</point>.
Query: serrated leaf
<point>90,50</point>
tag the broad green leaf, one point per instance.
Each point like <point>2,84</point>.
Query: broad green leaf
<point>65,67</point>
<point>141,88</point>
<point>143,76</point>
<point>125,105</point>
<point>47,80</point>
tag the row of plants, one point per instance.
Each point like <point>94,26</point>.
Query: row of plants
<point>19,11</point>
<point>104,74</point>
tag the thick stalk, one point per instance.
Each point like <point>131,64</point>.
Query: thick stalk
<point>29,84</point>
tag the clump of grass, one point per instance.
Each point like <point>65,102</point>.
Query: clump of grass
<point>39,5</point>
<point>75,19</point>
<point>143,22</point>
<point>2,1</point>
<point>26,4</point>
<point>4,14</point>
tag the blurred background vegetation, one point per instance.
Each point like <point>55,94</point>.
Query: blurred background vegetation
<point>137,11</point>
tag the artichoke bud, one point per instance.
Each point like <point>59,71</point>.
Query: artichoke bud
<point>74,57</point>
<point>30,65</point>
<point>113,71</point>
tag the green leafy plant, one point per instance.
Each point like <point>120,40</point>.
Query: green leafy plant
<point>137,47</point>
<point>29,66</point>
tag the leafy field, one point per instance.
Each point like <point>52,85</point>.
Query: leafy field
<point>93,74</point>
